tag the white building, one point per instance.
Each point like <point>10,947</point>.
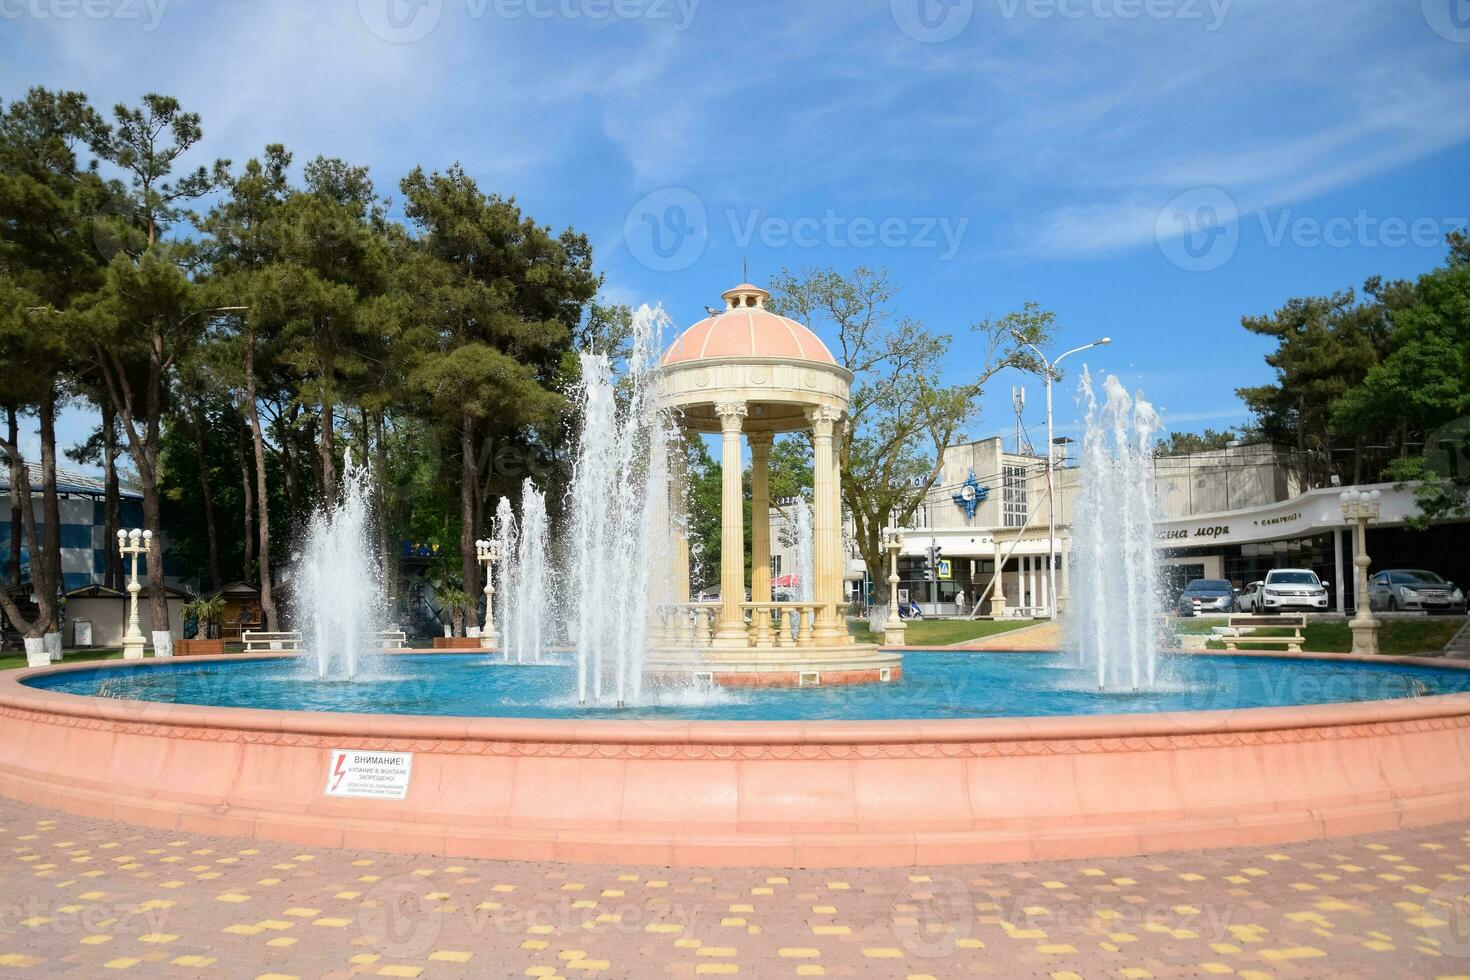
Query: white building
<point>1232,514</point>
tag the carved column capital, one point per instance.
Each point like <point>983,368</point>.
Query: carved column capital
<point>759,442</point>
<point>732,415</point>
<point>824,420</point>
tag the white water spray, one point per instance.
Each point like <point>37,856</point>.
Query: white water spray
<point>619,488</point>
<point>339,601</point>
<point>526,581</point>
<point>507,539</point>
<point>805,551</point>
<point>1114,606</point>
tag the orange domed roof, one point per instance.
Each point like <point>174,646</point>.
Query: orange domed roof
<point>745,328</point>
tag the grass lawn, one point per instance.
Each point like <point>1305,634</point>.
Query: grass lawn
<point>12,660</point>
<point>1398,637</point>
<point>940,632</point>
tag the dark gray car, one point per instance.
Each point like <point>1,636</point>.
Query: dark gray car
<point>1207,596</point>
<point>1414,589</point>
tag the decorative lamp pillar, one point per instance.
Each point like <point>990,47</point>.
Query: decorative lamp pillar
<point>1359,508</point>
<point>894,628</point>
<point>731,631</point>
<point>488,552</point>
<point>133,543</point>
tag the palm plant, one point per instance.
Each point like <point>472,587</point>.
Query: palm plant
<point>456,602</point>
<point>206,611</point>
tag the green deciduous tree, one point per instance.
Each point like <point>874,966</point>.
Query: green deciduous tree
<point>904,414</point>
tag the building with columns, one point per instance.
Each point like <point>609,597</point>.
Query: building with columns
<point>748,374</point>
<point>1232,513</point>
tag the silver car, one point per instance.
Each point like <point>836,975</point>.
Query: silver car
<point>1293,588</point>
<point>1414,589</point>
<point>1204,596</point>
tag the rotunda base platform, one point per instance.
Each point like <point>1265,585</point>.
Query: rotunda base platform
<point>853,663</point>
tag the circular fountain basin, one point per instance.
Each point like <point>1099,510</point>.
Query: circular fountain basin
<point>970,757</point>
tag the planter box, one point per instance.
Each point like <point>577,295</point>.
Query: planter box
<point>456,643</point>
<point>199,648</point>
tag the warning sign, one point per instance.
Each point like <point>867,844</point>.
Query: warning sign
<point>369,775</point>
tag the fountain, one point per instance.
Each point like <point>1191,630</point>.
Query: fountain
<point>507,538</point>
<point>524,577</point>
<point>824,752</point>
<point>1111,622</point>
<point>339,603</point>
<point>619,485</point>
<point>805,560</point>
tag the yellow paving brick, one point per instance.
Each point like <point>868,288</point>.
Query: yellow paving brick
<point>20,960</point>
<point>1292,953</point>
<point>450,956</point>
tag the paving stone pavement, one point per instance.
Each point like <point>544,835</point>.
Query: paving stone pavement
<point>93,898</point>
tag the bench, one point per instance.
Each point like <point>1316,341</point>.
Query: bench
<point>1293,643</point>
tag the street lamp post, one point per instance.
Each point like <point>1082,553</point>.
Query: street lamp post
<point>488,551</point>
<point>133,543</point>
<point>1359,508</point>
<point>894,628</point>
<point>1051,500</point>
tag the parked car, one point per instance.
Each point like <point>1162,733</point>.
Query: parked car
<point>1293,588</point>
<point>1206,595</point>
<point>1413,589</point>
<point>1249,599</point>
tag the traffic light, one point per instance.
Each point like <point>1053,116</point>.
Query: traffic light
<point>931,557</point>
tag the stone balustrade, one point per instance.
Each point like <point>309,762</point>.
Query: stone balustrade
<point>768,625</point>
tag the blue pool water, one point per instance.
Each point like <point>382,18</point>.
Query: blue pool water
<point>934,685</point>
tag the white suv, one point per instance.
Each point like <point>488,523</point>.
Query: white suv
<point>1293,588</point>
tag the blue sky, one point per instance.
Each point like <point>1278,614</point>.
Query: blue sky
<point>1148,169</point>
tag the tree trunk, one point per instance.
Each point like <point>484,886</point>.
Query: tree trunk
<point>469,560</point>
<point>328,451</point>
<point>263,522</point>
<point>20,489</point>
<point>248,490</point>
<point>382,507</point>
<point>157,589</point>
<point>51,504</point>
<point>211,528</point>
<point>290,460</point>
<point>13,565</point>
<point>112,498</point>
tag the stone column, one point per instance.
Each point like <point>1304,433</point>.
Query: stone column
<point>1045,579</point>
<point>732,529</point>
<point>1035,568</point>
<point>826,542</point>
<point>679,514</point>
<point>839,551</point>
<point>998,594</point>
<point>760,516</point>
<point>1064,587</point>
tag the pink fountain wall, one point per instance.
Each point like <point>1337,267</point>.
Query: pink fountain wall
<point>752,793</point>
